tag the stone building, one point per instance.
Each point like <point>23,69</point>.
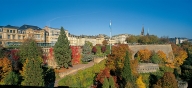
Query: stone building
<point>147,67</point>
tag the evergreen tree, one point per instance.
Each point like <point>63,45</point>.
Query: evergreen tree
<point>11,78</point>
<point>126,72</point>
<point>105,83</point>
<point>29,49</point>
<point>87,56</point>
<point>62,51</point>
<point>32,73</point>
<point>111,82</point>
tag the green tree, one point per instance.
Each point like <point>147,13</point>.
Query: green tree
<point>87,56</point>
<point>32,73</point>
<point>29,49</point>
<point>111,82</point>
<point>131,39</point>
<point>155,59</point>
<point>62,51</point>
<point>105,83</point>
<point>126,72</point>
<point>11,79</point>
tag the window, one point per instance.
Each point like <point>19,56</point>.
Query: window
<point>0,42</point>
<point>13,36</point>
<point>23,37</point>
<point>7,31</point>
<point>1,29</point>
<point>13,31</point>
<point>10,31</point>
<point>8,36</point>
<point>37,36</point>
<point>19,31</point>
<point>0,36</point>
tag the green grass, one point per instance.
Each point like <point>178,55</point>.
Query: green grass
<point>83,78</point>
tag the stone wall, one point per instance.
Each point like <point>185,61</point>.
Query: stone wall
<point>165,48</point>
<point>147,67</point>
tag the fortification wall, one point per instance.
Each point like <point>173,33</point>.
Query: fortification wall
<point>165,48</point>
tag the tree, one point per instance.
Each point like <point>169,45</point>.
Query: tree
<point>103,49</point>
<point>144,40</point>
<point>32,73</point>
<point>131,39</point>
<point>140,83</point>
<point>144,55</point>
<point>62,51</point>
<point>94,50</point>
<point>153,39</point>
<point>155,59</point>
<point>116,59</point>
<point>75,55</point>
<point>126,71</point>
<point>111,82</point>
<point>11,79</point>
<point>86,52</point>
<point>104,42</point>
<point>105,83</point>
<point>5,67</point>
<point>168,81</point>
<point>29,49</point>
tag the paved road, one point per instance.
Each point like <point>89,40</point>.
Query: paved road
<point>73,70</point>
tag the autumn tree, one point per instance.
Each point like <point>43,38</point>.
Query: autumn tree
<point>144,55</point>
<point>94,49</point>
<point>168,81</point>
<point>5,67</point>
<point>180,55</point>
<point>153,39</point>
<point>29,49</point>
<point>62,51</point>
<point>164,40</point>
<point>155,59</point>
<point>140,83</point>
<point>103,49</point>
<point>75,54</point>
<point>105,42</point>
<point>116,59</point>
<point>32,73</point>
<point>144,40</point>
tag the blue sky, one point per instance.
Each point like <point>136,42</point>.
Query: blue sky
<point>172,18</point>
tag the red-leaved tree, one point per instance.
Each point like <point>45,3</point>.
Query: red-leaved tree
<point>75,54</point>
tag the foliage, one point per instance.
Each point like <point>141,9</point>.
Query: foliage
<point>103,73</point>
<point>5,67</point>
<point>116,59</point>
<point>140,83</point>
<point>144,40</point>
<point>32,73</point>
<point>99,53</point>
<point>163,40</point>
<point>168,81</point>
<point>84,78</point>
<point>105,83</point>
<point>62,51</point>
<point>144,55</point>
<point>107,51</point>
<point>104,42</point>
<point>2,51</point>
<point>126,71</point>
<point>111,82</point>
<point>86,52</point>
<point>134,65</point>
<point>103,49</point>
<point>155,59</point>
<point>11,79</point>
<point>49,77</point>
<point>29,49</point>
<point>162,55</point>
<point>50,56</point>
<point>76,56</point>
<point>166,69</point>
<point>180,55</point>
<point>131,39</point>
<point>94,49</point>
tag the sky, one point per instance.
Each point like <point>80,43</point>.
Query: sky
<point>172,18</point>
